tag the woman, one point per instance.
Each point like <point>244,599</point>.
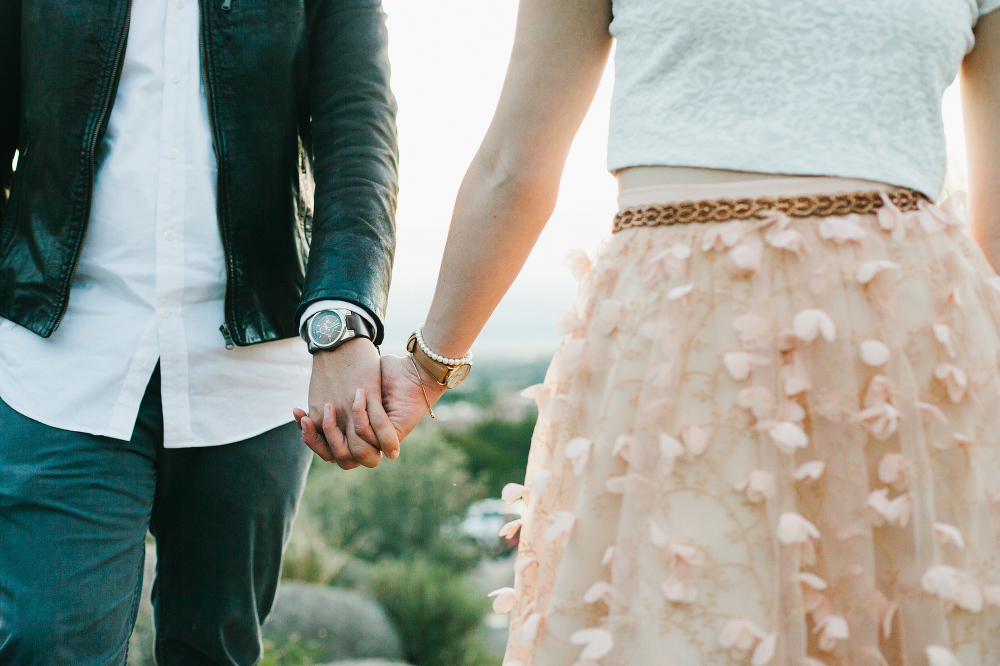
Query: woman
<point>772,431</point>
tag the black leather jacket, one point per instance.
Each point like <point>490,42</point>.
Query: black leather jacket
<point>303,123</point>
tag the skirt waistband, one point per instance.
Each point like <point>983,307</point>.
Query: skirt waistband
<point>796,197</point>
<point>746,189</point>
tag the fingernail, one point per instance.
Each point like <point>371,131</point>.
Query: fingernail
<point>357,396</point>
<point>393,455</point>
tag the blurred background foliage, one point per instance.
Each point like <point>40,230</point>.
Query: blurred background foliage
<point>496,450</point>
<point>398,509</point>
<point>381,566</point>
<point>435,610</point>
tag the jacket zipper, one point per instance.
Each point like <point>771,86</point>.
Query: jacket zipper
<point>105,108</point>
<point>220,181</point>
<point>225,333</point>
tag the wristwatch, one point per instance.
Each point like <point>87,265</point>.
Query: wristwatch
<point>447,374</point>
<point>328,329</point>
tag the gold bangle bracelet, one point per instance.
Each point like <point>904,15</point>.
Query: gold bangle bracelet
<point>422,389</point>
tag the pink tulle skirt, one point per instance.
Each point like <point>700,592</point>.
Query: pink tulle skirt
<point>768,442</point>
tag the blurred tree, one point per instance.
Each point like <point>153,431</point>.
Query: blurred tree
<point>497,450</point>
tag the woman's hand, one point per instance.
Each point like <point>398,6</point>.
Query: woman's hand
<point>402,397</point>
<point>403,402</point>
<point>342,426</point>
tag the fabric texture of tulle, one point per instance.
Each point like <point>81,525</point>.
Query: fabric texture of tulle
<point>769,442</point>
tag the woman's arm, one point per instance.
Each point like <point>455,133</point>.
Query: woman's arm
<point>981,108</point>
<point>560,51</point>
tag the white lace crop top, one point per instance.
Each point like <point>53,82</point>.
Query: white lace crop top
<point>848,88</point>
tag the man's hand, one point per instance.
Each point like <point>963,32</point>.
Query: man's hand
<point>402,397</point>
<point>346,423</point>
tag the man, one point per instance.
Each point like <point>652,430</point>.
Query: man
<point>159,163</point>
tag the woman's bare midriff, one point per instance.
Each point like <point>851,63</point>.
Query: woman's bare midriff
<point>647,176</point>
<point>647,185</point>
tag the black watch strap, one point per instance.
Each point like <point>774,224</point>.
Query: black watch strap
<point>360,326</point>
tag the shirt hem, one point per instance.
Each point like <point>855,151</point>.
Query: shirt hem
<point>115,434</point>
<point>253,432</point>
<point>55,423</point>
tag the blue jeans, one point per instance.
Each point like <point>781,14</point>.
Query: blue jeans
<point>74,510</point>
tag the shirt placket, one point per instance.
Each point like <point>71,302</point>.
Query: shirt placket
<point>170,206</point>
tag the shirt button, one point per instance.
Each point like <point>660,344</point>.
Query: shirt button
<point>169,234</point>
<point>172,154</point>
<point>165,313</point>
<point>179,3</point>
<point>176,78</point>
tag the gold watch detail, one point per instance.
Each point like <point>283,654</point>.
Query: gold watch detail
<point>446,374</point>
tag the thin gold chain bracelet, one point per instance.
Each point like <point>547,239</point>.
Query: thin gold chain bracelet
<point>421,382</point>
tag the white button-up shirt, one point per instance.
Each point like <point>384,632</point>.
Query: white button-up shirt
<point>150,285</point>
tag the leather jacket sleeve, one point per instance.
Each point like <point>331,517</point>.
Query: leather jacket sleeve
<point>10,93</point>
<point>352,139</point>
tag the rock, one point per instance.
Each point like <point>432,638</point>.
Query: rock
<point>332,624</point>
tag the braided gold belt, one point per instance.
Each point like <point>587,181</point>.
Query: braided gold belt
<point>726,210</point>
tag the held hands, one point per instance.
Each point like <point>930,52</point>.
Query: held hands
<point>404,400</point>
<point>346,422</point>
<point>361,407</point>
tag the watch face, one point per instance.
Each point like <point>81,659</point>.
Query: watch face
<point>458,375</point>
<point>326,328</point>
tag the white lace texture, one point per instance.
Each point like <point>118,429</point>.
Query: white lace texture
<point>850,88</point>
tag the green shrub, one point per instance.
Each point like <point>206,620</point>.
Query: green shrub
<point>308,558</point>
<point>474,651</point>
<point>290,652</point>
<point>435,610</point>
<point>497,450</point>
<point>392,531</point>
<point>396,510</point>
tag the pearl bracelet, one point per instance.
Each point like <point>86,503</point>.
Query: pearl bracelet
<point>453,362</point>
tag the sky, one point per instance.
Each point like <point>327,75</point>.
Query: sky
<point>449,58</point>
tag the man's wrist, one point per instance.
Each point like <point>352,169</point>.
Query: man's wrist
<point>355,345</point>
<point>330,328</point>
<point>331,304</point>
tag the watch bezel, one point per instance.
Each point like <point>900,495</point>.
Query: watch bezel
<point>314,343</point>
<point>450,381</point>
